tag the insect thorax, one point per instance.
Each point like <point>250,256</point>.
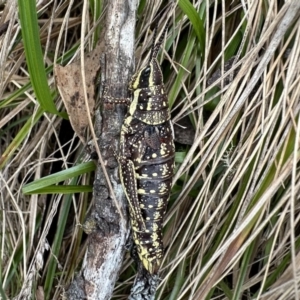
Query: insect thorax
<point>150,105</point>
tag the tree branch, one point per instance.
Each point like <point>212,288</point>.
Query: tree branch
<point>108,229</point>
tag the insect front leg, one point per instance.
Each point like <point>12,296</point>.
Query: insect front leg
<point>112,100</point>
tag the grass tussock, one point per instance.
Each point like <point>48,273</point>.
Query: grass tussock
<point>231,69</point>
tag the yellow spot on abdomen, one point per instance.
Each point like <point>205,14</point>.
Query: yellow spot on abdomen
<point>149,105</point>
<point>160,202</point>
<point>163,149</point>
<point>142,175</point>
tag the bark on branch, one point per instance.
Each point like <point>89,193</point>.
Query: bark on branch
<point>107,240</point>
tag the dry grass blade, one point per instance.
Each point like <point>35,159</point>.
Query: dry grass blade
<point>232,70</point>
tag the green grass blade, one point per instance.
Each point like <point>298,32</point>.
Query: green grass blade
<point>47,181</point>
<point>34,56</point>
<point>64,189</point>
<point>20,137</point>
<point>177,86</point>
<point>179,281</point>
<point>2,293</point>
<point>56,246</point>
<point>19,92</point>
<point>195,19</point>
<point>242,272</point>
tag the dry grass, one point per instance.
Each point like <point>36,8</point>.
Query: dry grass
<point>232,229</point>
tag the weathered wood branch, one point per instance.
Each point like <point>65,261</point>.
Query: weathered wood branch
<point>144,286</point>
<point>107,239</point>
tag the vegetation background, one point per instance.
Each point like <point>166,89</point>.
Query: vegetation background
<point>231,69</point>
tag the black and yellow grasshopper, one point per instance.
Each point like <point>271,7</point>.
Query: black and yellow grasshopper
<point>146,159</point>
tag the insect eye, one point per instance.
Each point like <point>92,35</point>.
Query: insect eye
<point>144,78</point>
<point>146,72</point>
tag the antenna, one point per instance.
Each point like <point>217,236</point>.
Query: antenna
<point>158,44</point>
<point>155,47</point>
<point>153,42</point>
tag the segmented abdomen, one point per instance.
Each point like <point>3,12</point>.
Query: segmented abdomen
<point>154,179</point>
